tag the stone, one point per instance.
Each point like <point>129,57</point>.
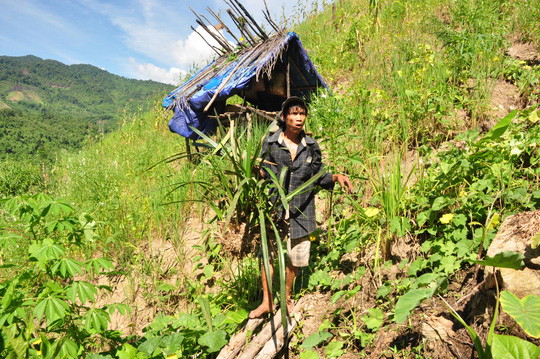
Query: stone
<point>515,234</point>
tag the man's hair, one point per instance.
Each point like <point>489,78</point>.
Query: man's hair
<point>288,109</point>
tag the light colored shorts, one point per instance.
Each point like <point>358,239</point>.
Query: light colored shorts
<point>297,249</point>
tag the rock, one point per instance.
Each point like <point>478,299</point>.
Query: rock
<point>515,235</point>
<point>437,328</point>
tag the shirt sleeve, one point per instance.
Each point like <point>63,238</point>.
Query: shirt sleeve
<point>326,180</point>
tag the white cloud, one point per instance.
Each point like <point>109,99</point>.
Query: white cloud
<point>149,71</point>
<point>194,49</point>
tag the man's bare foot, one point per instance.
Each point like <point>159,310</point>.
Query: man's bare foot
<point>260,311</point>
<point>290,306</point>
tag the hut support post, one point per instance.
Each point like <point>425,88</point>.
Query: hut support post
<point>288,77</point>
<point>188,149</point>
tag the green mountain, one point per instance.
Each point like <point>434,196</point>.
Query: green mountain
<point>46,105</point>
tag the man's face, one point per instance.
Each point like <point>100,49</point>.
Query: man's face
<point>295,119</point>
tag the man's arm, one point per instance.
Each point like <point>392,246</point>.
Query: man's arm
<point>344,181</point>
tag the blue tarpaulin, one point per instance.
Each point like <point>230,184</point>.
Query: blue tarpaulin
<point>228,76</point>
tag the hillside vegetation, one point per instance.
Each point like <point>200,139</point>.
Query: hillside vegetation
<point>46,106</point>
<point>123,250</point>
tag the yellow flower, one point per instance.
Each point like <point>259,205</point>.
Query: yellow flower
<point>372,212</point>
<point>462,193</point>
<point>495,59</point>
<point>446,218</point>
<point>39,352</point>
<point>242,39</point>
<point>312,238</point>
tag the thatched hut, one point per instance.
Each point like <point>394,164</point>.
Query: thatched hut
<point>264,70</point>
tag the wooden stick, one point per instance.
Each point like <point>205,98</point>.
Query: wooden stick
<point>233,71</point>
<point>238,340</point>
<point>258,342</point>
<point>267,332</point>
<point>274,345</point>
<point>252,22</point>
<point>219,34</point>
<point>269,18</point>
<point>246,36</point>
<point>199,21</point>
<point>225,26</point>
<point>288,79</point>
<point>246,21</point>
<point>207,43</point>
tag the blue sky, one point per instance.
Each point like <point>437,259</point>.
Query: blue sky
<point>142,39</point>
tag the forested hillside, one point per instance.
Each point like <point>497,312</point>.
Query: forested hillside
<point>46,106</point>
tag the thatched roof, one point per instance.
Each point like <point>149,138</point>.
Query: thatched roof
<point>264,73</point>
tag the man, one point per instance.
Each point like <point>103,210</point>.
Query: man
<point>290,147</point>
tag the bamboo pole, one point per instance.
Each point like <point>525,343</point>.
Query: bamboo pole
<point>225,26</point>
<point>268,333</point>
<point>260,340</point>
<point>252,21</point>
<point>246,21</point>
<point>233,71</point>
<point>276,342</point>
<point>269,18</point>
<point>199,21</point>
<point>238,340</point>
<point>246,35</point>
<point>207,43</point>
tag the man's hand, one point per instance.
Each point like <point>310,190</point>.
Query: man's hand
<point>344,181</point>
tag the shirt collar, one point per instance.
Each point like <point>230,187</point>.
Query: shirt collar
<point>278,137</point>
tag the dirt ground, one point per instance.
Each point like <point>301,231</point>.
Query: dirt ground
<point>430,326</point>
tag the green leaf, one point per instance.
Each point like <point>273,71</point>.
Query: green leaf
<point>440,203</point>
<point>52,307</point>
<point>171,343</point>
<point>535,240</point>
<point>150,345</point>
<point>68,266</point>
<point>315,339</point>
<point>46,251</point>
<point>498,130</point>
<point>236,317</point>
<point>98,263</point>
<point>205,307</point>
<point>526,312</point>
<point>333,349</point>
<point>84,290</point>
<point>410,300</point>
<point>374,318</point>
<point>96,320</point>
<point>129,352</point>
<point>213,340</point>
<point>507,346</point>
<point>120,308</point>
<point>69,349</point>
<point>309,354</point>
<point>506,259</point>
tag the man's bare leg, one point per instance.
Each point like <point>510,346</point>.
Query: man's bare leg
<point>291,272</point>
<point>266,305</point>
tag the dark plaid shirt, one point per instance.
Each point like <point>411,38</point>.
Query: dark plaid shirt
<point>306,164</point>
